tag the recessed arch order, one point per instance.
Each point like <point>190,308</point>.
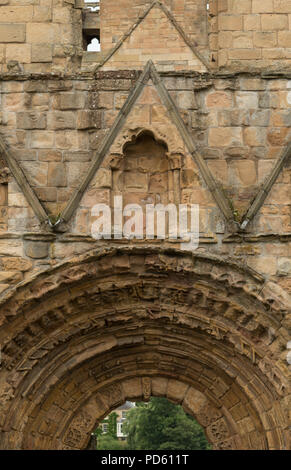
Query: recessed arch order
<point>130,322</point>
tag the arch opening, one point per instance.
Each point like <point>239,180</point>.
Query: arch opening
<point>155,424</point>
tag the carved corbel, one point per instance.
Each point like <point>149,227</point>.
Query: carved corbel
<point>146,388</point>
<point>4,175</point>
<point>116,161</point>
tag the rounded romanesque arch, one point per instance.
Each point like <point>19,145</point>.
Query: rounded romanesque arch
<point>132,322</point>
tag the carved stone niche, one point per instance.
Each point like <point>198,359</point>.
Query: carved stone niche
<point>144,169</point>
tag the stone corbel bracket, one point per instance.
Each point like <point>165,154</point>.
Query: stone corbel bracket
<point>4,174</point>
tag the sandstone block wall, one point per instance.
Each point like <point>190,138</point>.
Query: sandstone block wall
<point>192,107</point>
<point>231,34</point>
<point>46,35</point>
<point>252,33</point>
<point>162,43</point>
<point>240,126</point>
<point>39,35</point>
<point>117,18</point>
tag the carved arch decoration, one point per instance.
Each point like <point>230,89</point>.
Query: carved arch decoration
<point>160,136</point>
<point>79,331</point>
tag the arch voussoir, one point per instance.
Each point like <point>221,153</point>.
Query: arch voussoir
<point>130,323</point>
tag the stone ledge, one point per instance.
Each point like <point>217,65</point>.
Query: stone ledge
<point>72,238</point>
<point>9,236</point>
<point>23,76</point>
<point>257,238</point>
<point>39,236</point>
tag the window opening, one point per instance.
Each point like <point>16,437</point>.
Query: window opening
<point>91,25</point>
<point>94,45</point>
<point>93,5</point>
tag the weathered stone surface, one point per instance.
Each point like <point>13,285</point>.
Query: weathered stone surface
<point>41,53</point>
<point>49,155</point>
<point>89,120</point>
<point>59,120</point>
<point>67,101</point>
<point>103,179</point>
<point>19,53</point>
<point>86,324</point>
<point>219,100</point>
<point>57,174</point>
<point>31,120</point>
<point>36,250</point>
<point>12,32</point>
<point>225,136</point>
<point>284,267</point>
<point>37,175</point>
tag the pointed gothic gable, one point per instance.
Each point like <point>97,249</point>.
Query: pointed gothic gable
<point>254,204</point>
<point>158,37</point>
<point>149,163</point>
<point>150,109</point>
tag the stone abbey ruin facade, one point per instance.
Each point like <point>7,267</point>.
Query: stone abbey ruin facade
<point>187,102</point>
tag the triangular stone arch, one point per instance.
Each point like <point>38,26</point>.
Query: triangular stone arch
<point>173,22</point>
<point>150,73</point>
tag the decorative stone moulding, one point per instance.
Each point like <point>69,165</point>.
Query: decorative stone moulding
<point>127,323</point>
<point>130,135</point>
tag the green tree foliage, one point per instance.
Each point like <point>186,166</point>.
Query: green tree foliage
<point>112,425</point>
<point>161,425</point>
<point>107,442</point>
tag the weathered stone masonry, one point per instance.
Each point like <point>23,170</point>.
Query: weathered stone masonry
<point>184,104</point>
